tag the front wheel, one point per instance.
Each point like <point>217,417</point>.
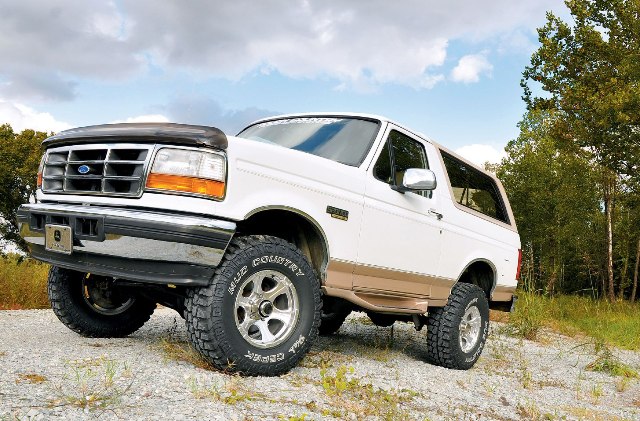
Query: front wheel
<point>456,334</point>
<point>95,306</point>
<point>260,314</point>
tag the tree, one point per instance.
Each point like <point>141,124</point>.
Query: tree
<point>590,74</point>
<point>554,197</point>
<point>19,159</point>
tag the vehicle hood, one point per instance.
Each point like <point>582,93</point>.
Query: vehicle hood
<point>183,134</point>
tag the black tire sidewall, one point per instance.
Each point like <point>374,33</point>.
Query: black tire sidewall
<point>296,268</point>
<point>466,360</point>
<point>67,301</point>
<point>73,289</point>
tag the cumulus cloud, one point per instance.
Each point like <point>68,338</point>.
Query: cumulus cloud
<point>47,45</point>
<point>206,111</point>
<point>470,67</point>
<point>357,44</point>
<point>21,117</point>
<point>480,154</point>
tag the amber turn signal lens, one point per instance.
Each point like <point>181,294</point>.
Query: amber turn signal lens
<point>186,184</point>
<point>39,184</point>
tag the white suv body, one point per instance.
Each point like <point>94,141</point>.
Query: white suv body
<point>375,245</point>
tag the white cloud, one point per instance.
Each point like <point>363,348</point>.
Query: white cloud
<point>21,117</point>
<point>203,110</point>
<point>147,118</point>
<point>47,46</point>
<point>479,154</point>
<point>357,44</point>
<point>470,67</point>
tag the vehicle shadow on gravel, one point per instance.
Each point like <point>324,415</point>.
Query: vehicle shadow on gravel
<point>359,337</point>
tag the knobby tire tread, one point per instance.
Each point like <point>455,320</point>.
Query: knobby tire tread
<point>442,325</point>
<point>80,318</point>
<point>205,331</point>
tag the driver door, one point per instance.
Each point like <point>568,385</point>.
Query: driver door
<point>400,237</point>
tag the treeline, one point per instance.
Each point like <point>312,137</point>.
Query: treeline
<point>20,155</point>
<point>572,174</point>
<point>558,198</point>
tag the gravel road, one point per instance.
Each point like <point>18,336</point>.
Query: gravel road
<point>363,372</point>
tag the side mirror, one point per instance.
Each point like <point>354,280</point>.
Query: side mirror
<point>416,179</point>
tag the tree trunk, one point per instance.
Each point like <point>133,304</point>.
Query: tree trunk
<point>553,276</point>
<point>635,274</point>
<point>608,210</point>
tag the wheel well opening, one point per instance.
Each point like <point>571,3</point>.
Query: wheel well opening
<point>292,227</point>
<point>479,273</point>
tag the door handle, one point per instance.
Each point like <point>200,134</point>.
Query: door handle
<point>436,214</point>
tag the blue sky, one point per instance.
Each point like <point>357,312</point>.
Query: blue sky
<point>450,70</point>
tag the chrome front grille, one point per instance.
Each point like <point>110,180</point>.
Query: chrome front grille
<point>113,169</point>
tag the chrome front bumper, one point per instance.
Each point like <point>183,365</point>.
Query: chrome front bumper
<point>137,245</point>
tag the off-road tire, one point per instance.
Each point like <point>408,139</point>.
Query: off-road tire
<point>433,325</point>
<point>334,313</point>
<point>443,328</point>
<point>212,318</point>
<point>66,297</point>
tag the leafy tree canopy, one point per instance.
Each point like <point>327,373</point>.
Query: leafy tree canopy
<point>20,155</point>
<point>589,70</point>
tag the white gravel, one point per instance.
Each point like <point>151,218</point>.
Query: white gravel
<point>49,372</point>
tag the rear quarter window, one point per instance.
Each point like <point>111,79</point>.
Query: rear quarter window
<point>474,189</point>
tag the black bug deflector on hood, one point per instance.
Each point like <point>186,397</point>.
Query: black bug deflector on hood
<point>185,134</point>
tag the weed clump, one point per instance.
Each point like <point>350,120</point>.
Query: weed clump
<point>363,400</point>
<point>528,318</point>
<point>607,362</point>
<point>93,384</point>
<point>180,350</point>
<point>229,392</point>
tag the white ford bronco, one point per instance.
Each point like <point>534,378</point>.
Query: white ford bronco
<point>265,239</point>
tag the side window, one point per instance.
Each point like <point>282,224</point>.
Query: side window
<point>382,169</point>
<point>399,154</point>
<point>473,189</point>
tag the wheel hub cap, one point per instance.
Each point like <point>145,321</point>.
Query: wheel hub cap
<point>470,326</point>
<point>266,308</point>
<point>101,295</point>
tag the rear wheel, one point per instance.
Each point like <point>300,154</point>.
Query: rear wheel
<point>261,312</point>
<point>457,333</point>
<point>95,306</point>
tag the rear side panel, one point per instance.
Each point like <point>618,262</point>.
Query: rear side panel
<point>470,236</point>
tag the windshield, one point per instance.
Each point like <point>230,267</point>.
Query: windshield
<point>342,139</point>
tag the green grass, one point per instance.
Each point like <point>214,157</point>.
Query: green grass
<point>607,362</point>
<point>616,323</point>
<point>93,384</point>
<point>23,283</point>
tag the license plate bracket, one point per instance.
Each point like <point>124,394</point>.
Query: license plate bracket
<point>58,238</point>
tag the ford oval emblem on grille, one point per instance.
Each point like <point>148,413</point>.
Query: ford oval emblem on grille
<point>84,169</point>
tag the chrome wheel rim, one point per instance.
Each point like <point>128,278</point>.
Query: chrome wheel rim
<point>266,309</point>
<point>102,297</point>
<point>470,329</point>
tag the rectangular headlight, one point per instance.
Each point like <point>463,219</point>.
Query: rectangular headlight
<point>189,171</point>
